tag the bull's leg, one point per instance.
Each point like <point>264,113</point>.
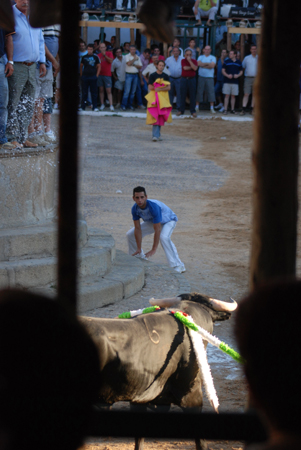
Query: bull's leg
<point>139,441</point>
<point>201,444</point>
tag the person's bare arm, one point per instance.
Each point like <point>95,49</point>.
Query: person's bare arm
<point>53,61</point>
<point>157,228</point>
<point>192,66</point>
<point>9,45</point>
<point>239,74</point>
<point>138,236</point>
<point>97,69</point>
<point>110,60</point>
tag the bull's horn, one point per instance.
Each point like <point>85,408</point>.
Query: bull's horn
<point>165,302</point>
<point>219,305</point>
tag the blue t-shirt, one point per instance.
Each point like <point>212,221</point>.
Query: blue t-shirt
<point>155,212</point>
<point>232,68</point>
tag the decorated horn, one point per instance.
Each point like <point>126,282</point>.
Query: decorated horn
<point>7,21</point>
<point>219,305</point>
<point>165,302</point>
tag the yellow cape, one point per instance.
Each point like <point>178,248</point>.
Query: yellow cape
<point>163,102</point>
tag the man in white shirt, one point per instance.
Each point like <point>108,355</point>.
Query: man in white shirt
<point>250,65</point>
<point>206,63</point>
<point>151,68</point>
<point>133,64</point>
<point>118,72</point>
<point>173,64</point>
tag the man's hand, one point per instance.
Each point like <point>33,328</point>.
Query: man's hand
<point>42,70</point>
<point>136,253</point>
<point>150,253</point>
<point>56,67</point>
<point>9,69</point>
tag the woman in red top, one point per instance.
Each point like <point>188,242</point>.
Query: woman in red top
<point>188,82</point>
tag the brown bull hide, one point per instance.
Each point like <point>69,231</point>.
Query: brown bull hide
<point>7,21</point>
<point>45,13</point>
<point>158,18</point>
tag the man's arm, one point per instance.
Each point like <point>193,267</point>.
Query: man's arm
<point>157,228</point>
<point>53,61</point>
<point>98,67</point>
<point>42,57</point>
<point>239,74</point>
<point>192,66</point>
<point>110,60</point>
<point>196,7</point>
<point>9,68</point>
<point>138,236</point>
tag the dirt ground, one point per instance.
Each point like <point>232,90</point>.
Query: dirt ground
<point>202,170</point>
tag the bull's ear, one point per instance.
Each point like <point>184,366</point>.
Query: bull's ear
<point>44,13</point>
<point>7,21</point>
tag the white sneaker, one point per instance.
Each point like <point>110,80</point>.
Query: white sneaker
<point>111,108</point>
<point>102,108</point>
<point>219,106</point>
<point>155,139</point>
<point>180,269</point>
<point>212,111</point>
<point>56,106</point>
<point>141,256</point>
<point>50,137</point>
<point>197,107</point>
<point>95,109</point>
<point>222,109</point>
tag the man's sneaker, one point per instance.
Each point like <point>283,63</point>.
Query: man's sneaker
<point>180,269</point>
<point>141,107</point>
<point>102,107</point>
<point>123,108</point>
<point>218,107</point>
<point>155,139</point>
<point>212,111</point>
<point>111,108</point>
<point>160,139</point>
<point>50,137</point>
<point>8,146</point>
<point>141,256</point>
<point>221,110</point>
<point>132,108</point>
<point>95,109</point>
<point>38,140</point>
<point>197,107</point>
<point>107,102</point>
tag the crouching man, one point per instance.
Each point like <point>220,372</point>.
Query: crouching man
<point>158,219</point>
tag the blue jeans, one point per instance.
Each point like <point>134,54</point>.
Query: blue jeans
<point>141,91</point>
<point>175,90</point>
<point>130,86</point>
<point>96,4</point>
<point>188,85</point>
<point>3,100</point>
<point>156,131</point>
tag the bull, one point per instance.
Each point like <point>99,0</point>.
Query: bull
<point>149,360</point>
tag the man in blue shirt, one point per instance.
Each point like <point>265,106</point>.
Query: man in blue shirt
<point>29,49</point>
<point>232,70</point>
<point>173,64</point>
<point>158,219</point>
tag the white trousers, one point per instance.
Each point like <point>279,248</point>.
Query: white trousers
<point>168,246</point>
<point>210,13</point>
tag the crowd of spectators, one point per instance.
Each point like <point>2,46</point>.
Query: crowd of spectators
<point>196,76</point>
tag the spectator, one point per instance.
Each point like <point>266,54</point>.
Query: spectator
<point>218,88</point>
<point>93,4</point>
<point>6,70</point>
<point>205,8</point>
<point>39,130</point>
<point>126,48</point>
<point>89,72</point>
<point>96,47</point>
<point>118,72</point>
<point>142,88</point>
<point>133,64</point>
<point>125,4</point>
<point>158,86</point>
<point>156,51</point>
<point>250,65</point>
<point>232,70</point>
<point>206,63</point>
<point>173,64</point>
<point>105,79</point>
<point>195,51</point>
<point>49,374</point>
<point>151,68</point>
<point>267,329</point>
<point>188,83</point>
<point>176,43</point>
<point>29,49</point>
<point>221,45</point>
<point>145,59</point>
<point>113,42</point>
<point>81,52</point>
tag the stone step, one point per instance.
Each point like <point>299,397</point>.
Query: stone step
<point>95,259</point>
<point>124,279</point>
<point>37,241</point>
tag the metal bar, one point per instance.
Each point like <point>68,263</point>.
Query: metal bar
<point>226,426</point>
<point>95,23</point>
<point>68,167</point>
